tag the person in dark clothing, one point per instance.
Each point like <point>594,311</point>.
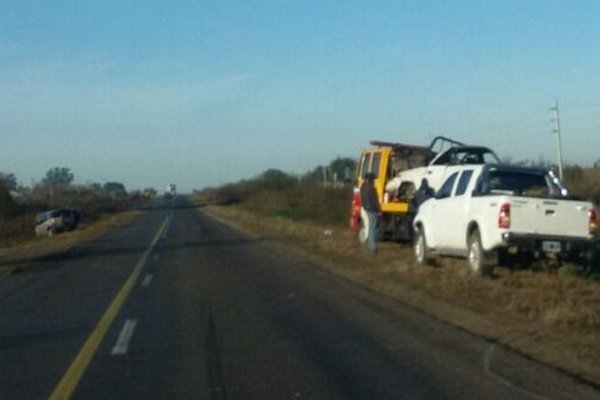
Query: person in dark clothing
<point>424,193</point>
<point>370,205</point>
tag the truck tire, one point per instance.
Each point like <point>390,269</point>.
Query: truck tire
<point>420,249</point>
<point>481,262</point>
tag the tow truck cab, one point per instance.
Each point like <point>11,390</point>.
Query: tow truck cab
<point>386,160</point>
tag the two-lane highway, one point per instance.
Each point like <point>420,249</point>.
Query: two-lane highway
<point>195,310</point>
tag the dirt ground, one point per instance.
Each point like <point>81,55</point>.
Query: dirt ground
<point>13,258</point>
<point>554,319</point>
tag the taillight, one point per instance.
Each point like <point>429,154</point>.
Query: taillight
<point>592,221</point>
<point>504,216</point>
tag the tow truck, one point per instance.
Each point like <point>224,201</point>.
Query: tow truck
<point>399,169</point>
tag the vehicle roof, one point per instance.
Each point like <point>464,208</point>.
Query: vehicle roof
<point>503,167</point>
<point>54,210</point>
<point>399,147</point>
<point>517,168</point>
<point>468,148</point>
<point>471,149</point>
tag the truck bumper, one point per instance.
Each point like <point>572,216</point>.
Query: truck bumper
<point>547,243</point>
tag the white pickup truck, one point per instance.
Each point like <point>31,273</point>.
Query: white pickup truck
<point>483,211</point>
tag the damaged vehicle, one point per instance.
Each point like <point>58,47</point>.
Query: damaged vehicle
<point>49,223</point>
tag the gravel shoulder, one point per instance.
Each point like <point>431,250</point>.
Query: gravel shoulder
<point>550,318</point>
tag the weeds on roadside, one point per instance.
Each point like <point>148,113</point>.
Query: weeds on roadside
<point>17,218</point>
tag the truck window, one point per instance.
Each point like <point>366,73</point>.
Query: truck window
<point>490,158</point>
<point>446,189</point>
<point>463,182</point>
<point>518,183</point>
<point>397,164</point>
<point>365,165</point>
<point>444,158</point>
<point>376,163</point>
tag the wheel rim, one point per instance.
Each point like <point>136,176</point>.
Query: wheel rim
<point>475,256</point>
<point>420,248</point>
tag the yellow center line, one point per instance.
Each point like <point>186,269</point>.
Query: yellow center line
<point>71,378</point>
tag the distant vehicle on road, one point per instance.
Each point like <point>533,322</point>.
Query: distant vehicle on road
<point>49,223</point>
<point>171,191</point>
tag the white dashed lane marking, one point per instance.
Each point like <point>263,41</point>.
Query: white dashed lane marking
<point>122,344</point>
<point>147,280</point>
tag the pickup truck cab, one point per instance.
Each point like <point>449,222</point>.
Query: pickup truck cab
<point>483,211</point>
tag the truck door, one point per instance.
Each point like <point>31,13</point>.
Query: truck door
<point>456,209</point>
<point>436,172</point>
<point>440,210</point>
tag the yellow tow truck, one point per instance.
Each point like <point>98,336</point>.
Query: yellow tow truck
<point>387,160</point>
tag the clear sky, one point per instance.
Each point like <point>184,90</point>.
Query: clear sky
<point>206,92</point>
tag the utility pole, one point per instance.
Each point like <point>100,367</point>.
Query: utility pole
<point>558,139</point>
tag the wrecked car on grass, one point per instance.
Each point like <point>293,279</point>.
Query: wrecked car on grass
<point>51,222</point>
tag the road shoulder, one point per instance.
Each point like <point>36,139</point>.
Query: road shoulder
<point>447,293</point>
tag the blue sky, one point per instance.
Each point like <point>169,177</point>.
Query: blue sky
<point>201,93</point>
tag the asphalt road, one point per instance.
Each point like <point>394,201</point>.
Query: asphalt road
<point>178,306</point>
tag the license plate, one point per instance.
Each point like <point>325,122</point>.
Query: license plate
<point>551,247</point>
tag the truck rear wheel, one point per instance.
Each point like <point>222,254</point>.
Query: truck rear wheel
<point>481,262</point>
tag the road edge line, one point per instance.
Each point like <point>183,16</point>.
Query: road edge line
<point>69,381</point>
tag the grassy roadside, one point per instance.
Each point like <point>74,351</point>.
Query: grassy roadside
<point>13,256</point>
<point>552,318</point>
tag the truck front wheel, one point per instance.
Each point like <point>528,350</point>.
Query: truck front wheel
<point>420,249</point>
<point>481,262</point>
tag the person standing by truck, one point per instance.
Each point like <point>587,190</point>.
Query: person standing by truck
<point>370,204</point>
<point>424,193</point>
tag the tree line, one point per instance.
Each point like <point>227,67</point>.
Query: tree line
<point>59,181</point>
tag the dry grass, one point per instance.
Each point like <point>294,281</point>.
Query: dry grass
<point>584,182</point>
<point>40,247</point>
<point>551,317</point>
